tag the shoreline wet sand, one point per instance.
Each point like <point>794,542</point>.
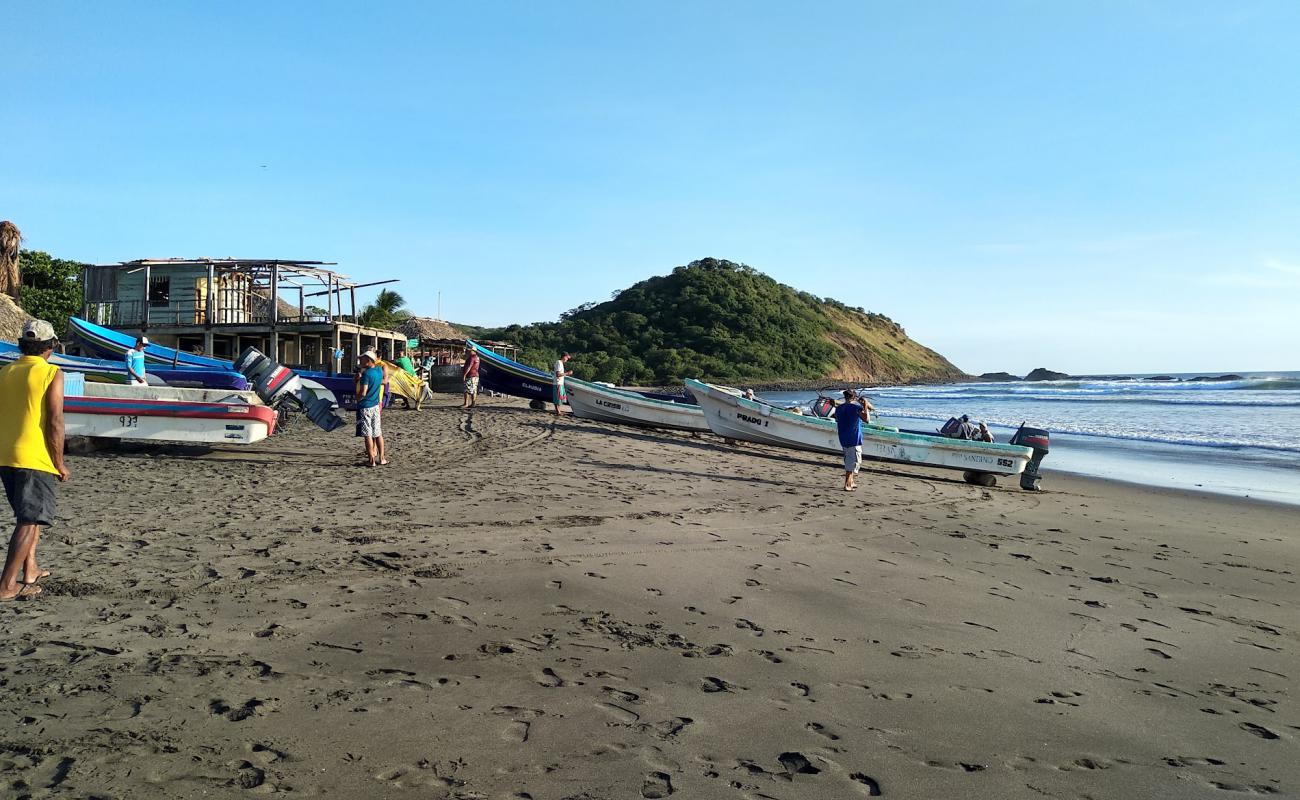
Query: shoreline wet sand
<point>525,607</point>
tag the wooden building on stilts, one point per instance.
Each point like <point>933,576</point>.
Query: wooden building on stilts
<point>298,312</point>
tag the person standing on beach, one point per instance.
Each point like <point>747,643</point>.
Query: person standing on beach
<point>404,361</point>
<point>370,389</point>
<point>31,452</point>
<point>469,373</point>
<point>849,417</point>
<point>135,362</point>
<point>560,374</point>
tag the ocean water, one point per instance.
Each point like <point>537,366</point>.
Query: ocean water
<point>1233,437</point>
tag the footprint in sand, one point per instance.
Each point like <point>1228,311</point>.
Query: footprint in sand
<point>1258,730</point>
<point>657,785</point>
<point>621,695</point>
<point>624,715</point>
<point>516,731</point>
<point>821,730</point>
<point>711,685</point>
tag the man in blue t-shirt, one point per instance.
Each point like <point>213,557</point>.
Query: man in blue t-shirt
<point>135,362</point>
<point>369,406</point>
<point>849,417</point>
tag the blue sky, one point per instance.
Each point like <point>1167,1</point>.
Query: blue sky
<point>1091,186</point>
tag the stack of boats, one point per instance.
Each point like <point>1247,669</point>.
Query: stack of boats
<point>189,398</point>
<point>706,407</point>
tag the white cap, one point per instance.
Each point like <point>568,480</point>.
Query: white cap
<point>38,330</point>
<point>372,355</point>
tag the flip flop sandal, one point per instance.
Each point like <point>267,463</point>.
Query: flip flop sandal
<point>28,591</point>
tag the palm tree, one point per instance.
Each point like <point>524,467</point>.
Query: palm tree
<point>10,275</point>
<point>387,312</point>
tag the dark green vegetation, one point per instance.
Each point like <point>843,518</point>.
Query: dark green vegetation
<point>723,321</point>
<point>51,288</point>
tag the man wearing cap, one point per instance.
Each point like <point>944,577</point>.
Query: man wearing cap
<point>135,362</point>
<point>849,417</point>
<point>370,386</point>
<point>31,452</point>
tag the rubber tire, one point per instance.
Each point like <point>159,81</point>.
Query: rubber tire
<point>985,479</point>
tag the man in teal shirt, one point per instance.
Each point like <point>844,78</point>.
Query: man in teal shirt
<point>135,362</point>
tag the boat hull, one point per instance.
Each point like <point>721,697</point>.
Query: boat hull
<point>734,417</point>
<point>624,407</point>
<point>496,373</point>
<point>167,420</point>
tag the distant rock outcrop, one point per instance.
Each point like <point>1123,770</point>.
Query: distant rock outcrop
<point>1217,378</point>
<point>1045,374</point>
<point>994,377</point>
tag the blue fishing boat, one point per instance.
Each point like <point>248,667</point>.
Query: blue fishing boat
<point>99,370</point>
<point>496,373</point>
<point>114,344</point>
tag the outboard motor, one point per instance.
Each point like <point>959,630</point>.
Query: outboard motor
<point>1038,440</point>
<point>822,407</point>
<point>280,387</point>
<point>253,364</point>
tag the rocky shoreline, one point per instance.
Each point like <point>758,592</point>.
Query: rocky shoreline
<point>1044,374</point>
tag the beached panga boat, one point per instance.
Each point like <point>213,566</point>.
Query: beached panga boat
<point>109,343</point>
<point>98,370</point>
<point>734,417</point>
<point>167,414</point>
<point>627,407</point>
<point>496,373</point>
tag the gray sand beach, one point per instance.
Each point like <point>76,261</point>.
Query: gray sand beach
<point>526,607</point>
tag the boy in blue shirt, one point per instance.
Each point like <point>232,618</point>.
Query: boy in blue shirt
<point>369,402</point>
<point>849,417</point>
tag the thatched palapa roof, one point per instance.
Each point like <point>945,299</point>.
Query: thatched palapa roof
<point>11,319</point>
<point>261,305</point>
<point>428,328</point>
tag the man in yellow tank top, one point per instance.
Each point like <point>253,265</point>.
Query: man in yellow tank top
<point>31,453</point>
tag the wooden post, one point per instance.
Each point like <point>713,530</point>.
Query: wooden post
<point>211,304</point>
<point>353,292</point>
<point>275,313</point>
<point>144,314</point>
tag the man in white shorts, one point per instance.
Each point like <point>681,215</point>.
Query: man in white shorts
<point>849,417</point>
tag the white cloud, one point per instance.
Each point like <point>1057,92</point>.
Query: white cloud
<point>1271,275</point>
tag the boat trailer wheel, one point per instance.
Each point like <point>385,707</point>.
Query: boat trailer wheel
<point>985,479</point>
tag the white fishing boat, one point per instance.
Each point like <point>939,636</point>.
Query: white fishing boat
<point>626,407</point>
<point>734,417</point>
<point>163,413</point>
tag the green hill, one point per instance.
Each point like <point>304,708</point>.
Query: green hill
<point>723,321</point>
